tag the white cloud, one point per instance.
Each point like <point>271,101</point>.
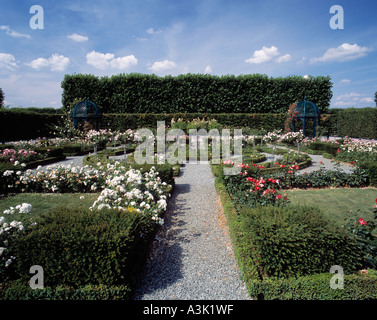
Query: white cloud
<point>56,63</point>
<point>301,61</point>
<point>263,55</point>
<point>78,38</point>
<point>104,61</point>
<point>352,99</point>
<point>367,99</point>
<point>13,33</point>
<point>267,54</point>
<point>285,58</point>
<point>160,66</point>
<point>208,69</point>
<point>306,77</point>
<point>345,52</point>
<point>345,81</point>
<point>7,61</point>
<point>122,63</point>
<point>152,31</point>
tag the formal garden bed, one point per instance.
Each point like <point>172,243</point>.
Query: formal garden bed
<point>110,209</point>
<point>286,250</point>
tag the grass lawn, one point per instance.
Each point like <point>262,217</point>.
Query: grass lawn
<point>338,204</point>
<point>42,202</point>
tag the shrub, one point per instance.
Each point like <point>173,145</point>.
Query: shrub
<point>77,247</point>
<point>296,241</point>
<point>371,168</point>
<point>50,151</point>
<point>327,147</point>
<point>315,287</point>
<point>323,179</point>
<point>18,290</point>
<point>165,171</point>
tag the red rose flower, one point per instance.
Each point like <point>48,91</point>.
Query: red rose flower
<point>362,221</point>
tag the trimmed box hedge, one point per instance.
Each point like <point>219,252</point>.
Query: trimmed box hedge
<point>296,241</point>
<point>18,290</point>
<point>315,287</point>
<point>77,247</point>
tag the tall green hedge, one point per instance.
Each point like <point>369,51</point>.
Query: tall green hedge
<point>357,123</point>
<point>140,120</point>
<point>191,93</point>
<point>18,125</point>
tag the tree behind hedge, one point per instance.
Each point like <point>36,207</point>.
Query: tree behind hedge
<point>1,98</point>
<point>195,93</point>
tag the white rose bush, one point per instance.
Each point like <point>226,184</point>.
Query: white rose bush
<point>120,187</point>
<point>133,190</point>
<point>8,230</point>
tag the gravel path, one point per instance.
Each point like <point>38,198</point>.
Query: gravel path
<point>319,162</point>
<point>192,256</point>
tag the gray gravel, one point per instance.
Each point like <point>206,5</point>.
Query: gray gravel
<point>192,256</point>
<point>319,162</point>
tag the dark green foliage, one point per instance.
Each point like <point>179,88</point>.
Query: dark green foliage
<point>286,242</point>
<point>371,168</point>
<point>77,247</point>
<point>330,148</point>
<point>191,93</point>
<point>51,151</point>
<point>1,98</point>
<point>227,120</point>
<point>357,123</point>
<point>19,290</point>
<point>315,287</point>
<point>25,125</point>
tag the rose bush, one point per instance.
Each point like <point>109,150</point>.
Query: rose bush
<point>8,231</point>
<point>365,237</point>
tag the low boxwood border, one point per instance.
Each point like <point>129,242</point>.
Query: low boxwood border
<point>35,164</point>
<point>315,287</point>
<point>18,291</point>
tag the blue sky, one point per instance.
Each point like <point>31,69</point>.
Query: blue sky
<point>277,38</point>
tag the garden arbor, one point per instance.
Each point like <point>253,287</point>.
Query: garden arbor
<point>306,110</point>
<point>86,111</point>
